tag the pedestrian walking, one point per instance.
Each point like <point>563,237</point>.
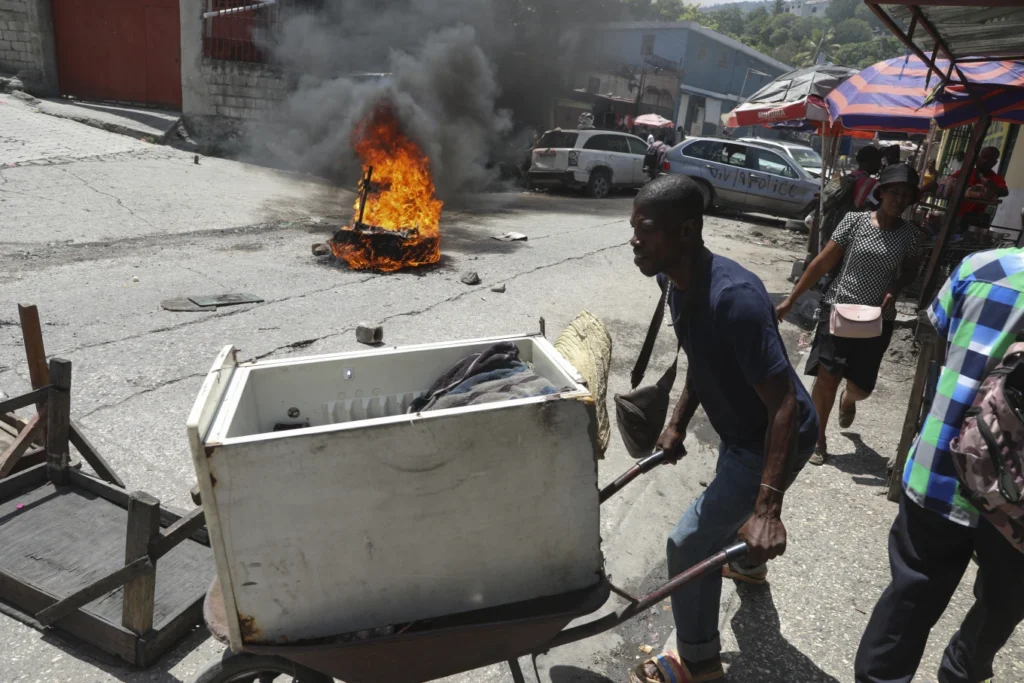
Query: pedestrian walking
<point>739,372</point>
<point>979,313</point>
<point>875,256</point>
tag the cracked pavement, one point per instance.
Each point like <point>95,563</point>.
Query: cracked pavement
<point>86,212</point>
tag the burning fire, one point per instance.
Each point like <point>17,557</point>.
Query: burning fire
<point>399,225</point>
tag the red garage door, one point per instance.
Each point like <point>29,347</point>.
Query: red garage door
<point>123,50</point>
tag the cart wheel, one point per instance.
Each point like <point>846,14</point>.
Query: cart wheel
<point>244,668</point>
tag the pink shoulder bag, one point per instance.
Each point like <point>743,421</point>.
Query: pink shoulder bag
<point>854,321</point>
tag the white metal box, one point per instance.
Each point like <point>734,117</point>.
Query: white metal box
<point>366,516</point>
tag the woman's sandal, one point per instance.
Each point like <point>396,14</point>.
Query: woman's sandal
<point>846,418</point>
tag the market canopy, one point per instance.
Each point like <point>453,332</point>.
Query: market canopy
<point>653,121</point>
<point>794,96</point>
<point>958,31</point>
<point>903,95</point>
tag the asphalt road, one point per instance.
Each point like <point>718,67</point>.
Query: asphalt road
<point>98,230</point>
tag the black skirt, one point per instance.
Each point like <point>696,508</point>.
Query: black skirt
<point>857,360</point>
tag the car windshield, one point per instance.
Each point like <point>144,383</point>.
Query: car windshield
<point>558,138</point>
<point>806,157</point>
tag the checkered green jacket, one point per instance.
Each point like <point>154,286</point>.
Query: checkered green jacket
<point>979,312</point>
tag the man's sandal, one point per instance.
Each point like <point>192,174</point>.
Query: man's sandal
<point>668,667</point>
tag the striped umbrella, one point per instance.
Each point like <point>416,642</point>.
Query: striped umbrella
<point>897,95</point>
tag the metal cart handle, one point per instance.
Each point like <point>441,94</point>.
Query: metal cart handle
<point>641,467</point>
<point>610,621</point>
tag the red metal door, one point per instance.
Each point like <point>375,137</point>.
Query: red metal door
<point>123,50</point>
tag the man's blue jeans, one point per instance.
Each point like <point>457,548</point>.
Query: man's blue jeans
<point>708,526</point>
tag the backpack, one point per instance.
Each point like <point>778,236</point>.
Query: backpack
<point>989,452</point>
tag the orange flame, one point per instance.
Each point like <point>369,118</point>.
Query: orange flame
<point>401,201</point>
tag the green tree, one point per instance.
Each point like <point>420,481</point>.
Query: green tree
<point>780,7</point>
<point>780,37</point>
<point>853,31</point>
<point>729,21</point>
<point>841,10</point>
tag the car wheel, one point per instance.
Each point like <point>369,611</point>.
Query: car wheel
<point>600,184</point>
<point>707,193</point>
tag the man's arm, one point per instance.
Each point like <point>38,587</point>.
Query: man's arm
<point>764,533</point>
<point>672,438</point>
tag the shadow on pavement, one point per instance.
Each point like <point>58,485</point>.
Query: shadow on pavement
<point>572,674</point>
<point>765,655</point>
<point>866,465</point>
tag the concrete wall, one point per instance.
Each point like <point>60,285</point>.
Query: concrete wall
<point>26,44</point>
<point>213,87</point>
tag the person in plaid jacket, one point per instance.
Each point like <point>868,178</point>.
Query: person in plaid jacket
<point>979,312</point>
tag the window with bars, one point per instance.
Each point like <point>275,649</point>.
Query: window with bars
<point>648,45</point>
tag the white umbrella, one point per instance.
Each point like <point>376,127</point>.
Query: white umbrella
<point>653,121</point>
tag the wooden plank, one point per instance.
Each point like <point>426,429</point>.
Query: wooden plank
<point>87,627</point>
<point>96,461</point>
<point>108,583</point>
<point>58,416</point>
<point>176,533</point>
<point>63,539</point>
<point>143,525</point>
<point>9,458</point>
<point>22,481</point>
<point>156,643</point>
<point>912,419</point>
<point>35,352</point>
<point>168,513</point>
<point>36,396</point>
<point>31,458</point>
<point>930,283</point>
<point>13,421</point>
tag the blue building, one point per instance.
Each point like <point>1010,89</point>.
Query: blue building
<point>681,70</point>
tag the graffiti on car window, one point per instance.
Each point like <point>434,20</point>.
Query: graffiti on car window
<point>754,183</point>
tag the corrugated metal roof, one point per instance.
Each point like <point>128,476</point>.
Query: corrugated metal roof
<point>967,31</point>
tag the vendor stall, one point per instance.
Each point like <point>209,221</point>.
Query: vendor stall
<point>968,55</point>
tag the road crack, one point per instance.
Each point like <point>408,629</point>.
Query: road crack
<point>111,196</point>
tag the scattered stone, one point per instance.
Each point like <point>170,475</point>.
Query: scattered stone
<point>471,278</point>
<point>646,649</point>
<point>367,333</point>
<point>703,483</point>
<point>135,279</point>
<point>500,289</point>
<point>196,158</point>
<point>756,233</point>
<point>321,249</point>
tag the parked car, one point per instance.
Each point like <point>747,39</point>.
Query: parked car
<point>746,176</point>
<point>804,156</point>
<point>598,160</point>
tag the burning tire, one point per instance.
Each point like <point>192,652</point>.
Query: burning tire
<point>600,185</point>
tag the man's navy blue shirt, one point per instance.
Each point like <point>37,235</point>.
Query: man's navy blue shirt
<point>731,339</point>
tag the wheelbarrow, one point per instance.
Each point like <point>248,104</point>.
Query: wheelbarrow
<point>435,648</point>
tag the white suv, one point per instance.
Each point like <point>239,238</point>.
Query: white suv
<point>598,160</point>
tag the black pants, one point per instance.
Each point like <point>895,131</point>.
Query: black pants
<point>928,556</point>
